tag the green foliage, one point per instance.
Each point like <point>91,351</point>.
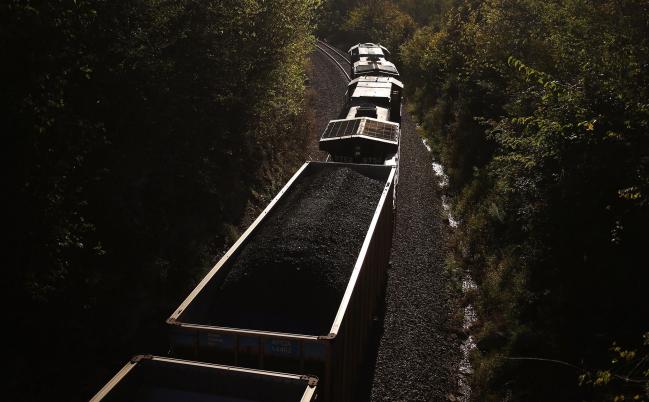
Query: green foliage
<point>388,22</point>
<point>379,21</point>
<point>538,111</point>
<point>627,376</point>
<point>338,17</point>
<point>426,12</point>
<point>136,133</point>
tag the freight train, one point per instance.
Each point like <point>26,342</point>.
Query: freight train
<point>286,313</point>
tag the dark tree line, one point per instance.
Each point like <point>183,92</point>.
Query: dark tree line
<point>539,112</point>
<point>136,134</point>
<point>538,109</point>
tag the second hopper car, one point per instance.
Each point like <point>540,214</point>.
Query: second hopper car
<point>160,379</point>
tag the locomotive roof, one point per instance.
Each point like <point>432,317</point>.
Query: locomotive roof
<point>374,78</point>
<point>372,89</point>
<point>365,66</point>
<point>366,127</point>
<point>369,48</point>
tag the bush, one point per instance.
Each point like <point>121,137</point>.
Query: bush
<point>136,133</point>
<point>538,110</point>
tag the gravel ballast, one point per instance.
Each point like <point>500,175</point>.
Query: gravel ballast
<point>327,87</point>
<point>419,352</point>
<point>292,273</point>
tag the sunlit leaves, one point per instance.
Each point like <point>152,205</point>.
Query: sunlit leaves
<point>546,101</point>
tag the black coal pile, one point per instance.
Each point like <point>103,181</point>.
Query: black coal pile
<point>292,274</point>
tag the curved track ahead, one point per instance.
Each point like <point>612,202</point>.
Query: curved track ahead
<point>342,55</point>
<point>336,56</point>
<point>327,84</point>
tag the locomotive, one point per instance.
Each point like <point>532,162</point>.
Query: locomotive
<point>369,130</point>
<point>241,346</point>
<point>370,59</point>
<point>360,50</point>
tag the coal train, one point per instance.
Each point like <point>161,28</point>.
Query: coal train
<point>286,313</point>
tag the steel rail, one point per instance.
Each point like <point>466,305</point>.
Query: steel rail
<point>335,61</point>
<point>341,54</point>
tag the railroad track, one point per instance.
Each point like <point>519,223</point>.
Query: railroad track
<point>338,52</point>
<point>336,56</point>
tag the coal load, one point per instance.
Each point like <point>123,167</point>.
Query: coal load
<point>292,274</point>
